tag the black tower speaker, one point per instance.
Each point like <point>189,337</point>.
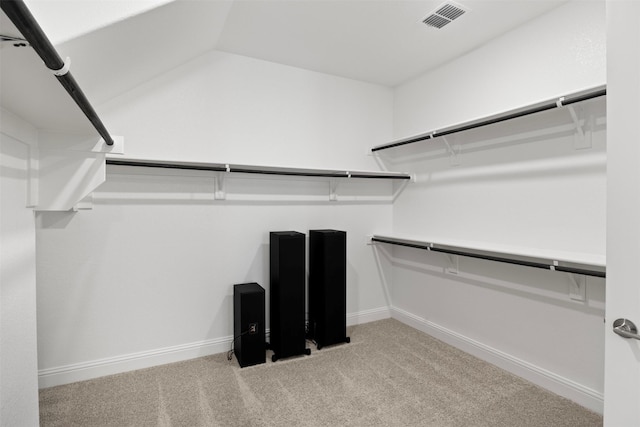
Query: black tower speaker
<point>249,324</point>
<point>328,287</point>
<point>287,294</point>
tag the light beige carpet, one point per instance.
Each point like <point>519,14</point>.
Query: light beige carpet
<point>389,375</point>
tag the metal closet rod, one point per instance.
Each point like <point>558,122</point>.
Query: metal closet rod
<point>24,21</point>
<point>264,170</point>
<point>496,256</point>
<point>548,105</point>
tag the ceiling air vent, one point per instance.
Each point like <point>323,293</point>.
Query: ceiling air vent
<point>444,14</point>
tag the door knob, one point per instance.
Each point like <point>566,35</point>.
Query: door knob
<point>625,328</point>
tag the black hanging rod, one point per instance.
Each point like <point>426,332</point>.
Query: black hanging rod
<point>545,264</point>
<point>548,105</point>
<point>215,167</point>
<point>264,170</point>
<point>24,21</point>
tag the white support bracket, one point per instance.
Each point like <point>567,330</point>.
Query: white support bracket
<point>398,188</point>
<point>577,287</point>
<point>219,191</point>
<point>582,138</point>
<point>452,150</point>
<point>333,190</point>
<point>66,177</point>
<point>454,264</point>
<point>66,168</point>
<point>378,158</point>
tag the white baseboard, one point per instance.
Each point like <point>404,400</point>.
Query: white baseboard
<point>564,387</point>
<point>367,316</point>
<point>129,362</point>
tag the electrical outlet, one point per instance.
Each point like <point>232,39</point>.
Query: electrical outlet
<point>253,328</point>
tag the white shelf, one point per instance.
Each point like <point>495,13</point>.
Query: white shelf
<point>578,263</point>
<point>563,101</point>
<point>253,169</point>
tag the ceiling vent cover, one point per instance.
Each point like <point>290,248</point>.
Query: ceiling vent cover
<point>444,14</point>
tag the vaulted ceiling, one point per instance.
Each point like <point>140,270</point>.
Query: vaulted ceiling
<point>115,46</point>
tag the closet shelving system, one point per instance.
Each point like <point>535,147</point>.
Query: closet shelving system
<point>253,169</point>
<point>564,101</point>
<point>572,264</point>
<point>566,264</point>
<point>35,37</point>
<point>332,177</point>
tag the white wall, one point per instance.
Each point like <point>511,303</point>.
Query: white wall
<point>228,108</point>
<point>517,186</point>
<point>146,276</point>
<point>18,354</point>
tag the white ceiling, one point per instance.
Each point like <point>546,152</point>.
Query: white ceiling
<point>377,41</point>
<point>383,42</point>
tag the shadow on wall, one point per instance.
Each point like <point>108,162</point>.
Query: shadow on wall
<point>353,286</point>
<point>54,220</point>
<point>588,164</point>
<point>223,316</point>
<point>149,186</point>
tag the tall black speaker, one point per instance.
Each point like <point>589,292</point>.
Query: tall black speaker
<point>287,294</point>
<point>328,287</point>
<point>249,324</point>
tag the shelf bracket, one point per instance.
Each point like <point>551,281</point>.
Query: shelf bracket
<point>219,191</point>
<point>399,188</point>
<point>452,150</point>
<point>333,190</point>
<point>379,161</point>
<point>577,287</point>
<point>582,138</point>
<point>454,264</point>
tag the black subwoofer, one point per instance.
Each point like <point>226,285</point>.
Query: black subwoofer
<point>287,294</point>
<point>249,324</point>
<point>328,287</point>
